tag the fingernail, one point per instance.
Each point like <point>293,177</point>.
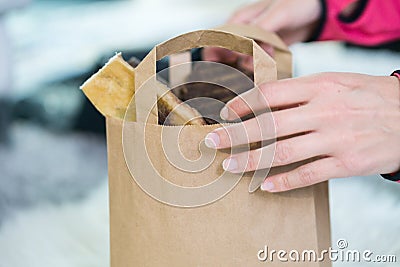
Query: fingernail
<point>267,186</point>
<point>224,113</point>
<point>212,140</point>
<point>230,164</point>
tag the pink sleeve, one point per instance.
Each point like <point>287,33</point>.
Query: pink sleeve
<point>373,22</point>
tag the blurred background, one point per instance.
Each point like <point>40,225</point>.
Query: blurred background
<point>53,166</point>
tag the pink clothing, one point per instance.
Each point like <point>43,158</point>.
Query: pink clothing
<point>370,23</point>
<point>373,22</point>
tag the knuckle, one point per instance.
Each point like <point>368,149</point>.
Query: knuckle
<point>284,183</point>
<point>252,162</point>
<point>277,125</point>
<point>352,163</point>
<point>306,176</point>
<point>224,138</point>
<point>283,153</point>
<point>265,123</point>
<point>266,92</point>
<point>232,136</point>
<point>327,80</point>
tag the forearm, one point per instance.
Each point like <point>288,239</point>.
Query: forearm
<point>371,22</point>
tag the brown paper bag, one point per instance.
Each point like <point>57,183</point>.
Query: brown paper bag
<point>210,218</point>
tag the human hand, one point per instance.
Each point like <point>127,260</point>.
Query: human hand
<point>350,121</point>
<point>293,20</point>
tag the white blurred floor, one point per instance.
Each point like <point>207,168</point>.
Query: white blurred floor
<point>74,232</point>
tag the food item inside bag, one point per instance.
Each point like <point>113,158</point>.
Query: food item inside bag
<point>171,110</point>
<point>221,82</point>
<point>112,88</point>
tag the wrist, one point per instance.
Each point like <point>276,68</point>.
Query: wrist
<point>395,175</point>
<point>396,77</point>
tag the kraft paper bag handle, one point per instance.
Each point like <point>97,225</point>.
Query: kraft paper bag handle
<point>282,55</point>
<point>146,97</point>
<point>179,75</point>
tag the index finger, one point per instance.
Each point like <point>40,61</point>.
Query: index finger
<point>269,95</point>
